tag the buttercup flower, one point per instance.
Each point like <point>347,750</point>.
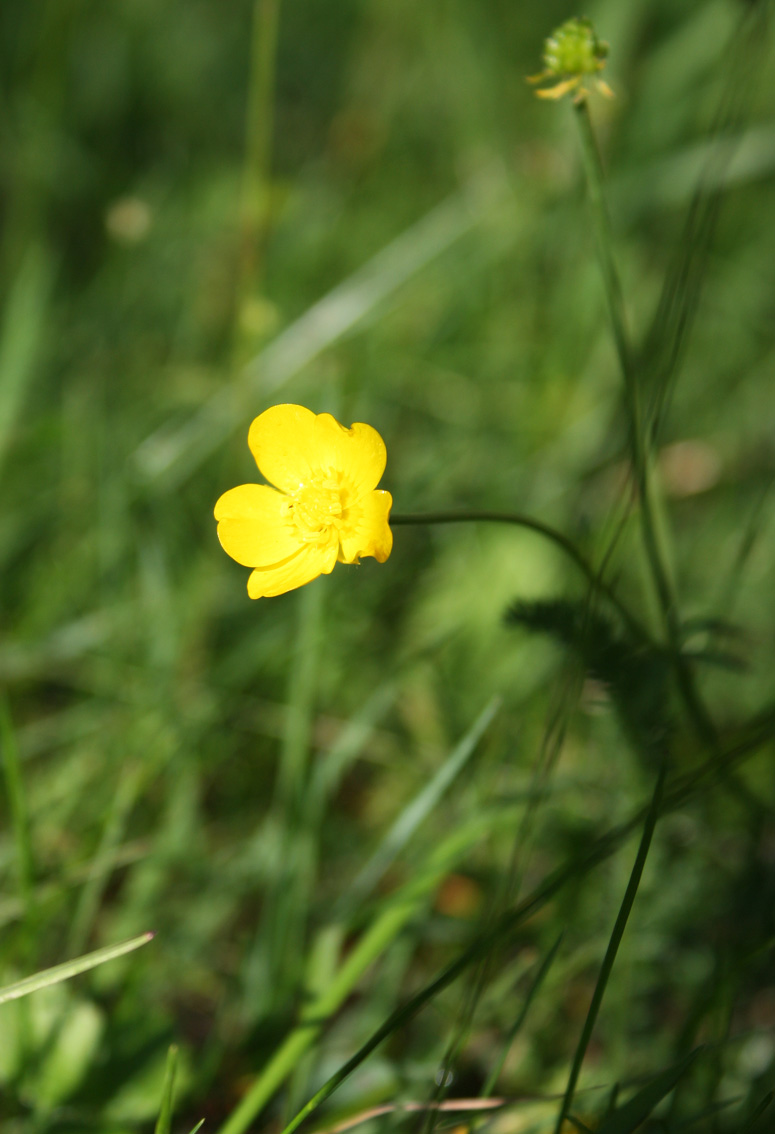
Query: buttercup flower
<point>325,505</point>
<point>572,53</point>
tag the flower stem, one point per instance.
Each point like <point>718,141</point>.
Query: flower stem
<point>593,168</point>
<point>547,532</point>
<point>638,428</point>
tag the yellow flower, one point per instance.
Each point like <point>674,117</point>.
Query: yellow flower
<point>324,506</point>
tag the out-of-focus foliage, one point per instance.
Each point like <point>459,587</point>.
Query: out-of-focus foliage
<point>221,770</point>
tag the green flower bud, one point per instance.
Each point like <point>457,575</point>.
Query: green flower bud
<point>571,53</point>
<point>574,49</point>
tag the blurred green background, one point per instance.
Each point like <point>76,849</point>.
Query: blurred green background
<point>398,234</point>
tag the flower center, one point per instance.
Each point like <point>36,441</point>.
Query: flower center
<point>316,508</point>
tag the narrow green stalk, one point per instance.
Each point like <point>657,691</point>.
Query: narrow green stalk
<point>547,532</point>
<point>259,130</point>
<point>164,1121</point>
<point>593,168</point>
<point>638,427</point>
<point>613,947</point>
<point>538,980</point>
<point>69,969</point>
<point>17,803</point>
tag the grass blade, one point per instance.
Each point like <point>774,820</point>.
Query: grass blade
<point>629,1117</point>
<point>579,1125</point>
<point>423,803</point>
<point>761,1108</point>
<point>540,976</point>
<point>71,968</point>
<point>375,940</point>
<point>672,322</point>
<point>164,1120</point>
<point>613,947</point>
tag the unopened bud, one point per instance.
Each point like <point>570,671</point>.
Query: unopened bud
<point>572,54</point>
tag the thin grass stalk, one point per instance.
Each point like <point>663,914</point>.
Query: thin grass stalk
<point>650,530</point>
<point>494,959</point>
<point>164,1121</point>
<point>614,942</point>
<point>593,168</point>
<point>69,969</point>
<point>506,898</point>
<point>259,130</point>
<point>543,971</point>
<point>764,1105</point>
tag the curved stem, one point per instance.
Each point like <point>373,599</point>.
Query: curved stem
<point>547,532</point>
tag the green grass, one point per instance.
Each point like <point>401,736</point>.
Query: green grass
<point>384,827</point>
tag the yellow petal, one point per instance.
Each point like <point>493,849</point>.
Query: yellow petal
<point>254,527</point>
<point>282,439</point>
<point>357,453</point>
<point>560,89</point>
<point>364,528</point>
<point>308,562</point>
<point>293,446</point>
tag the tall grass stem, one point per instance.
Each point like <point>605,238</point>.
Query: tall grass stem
<point>614,942</point>
<point>593,169</point>
<point>652,532</point>
<point>259,130</point>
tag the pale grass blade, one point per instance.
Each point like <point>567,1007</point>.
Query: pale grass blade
<point>71,968</point>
